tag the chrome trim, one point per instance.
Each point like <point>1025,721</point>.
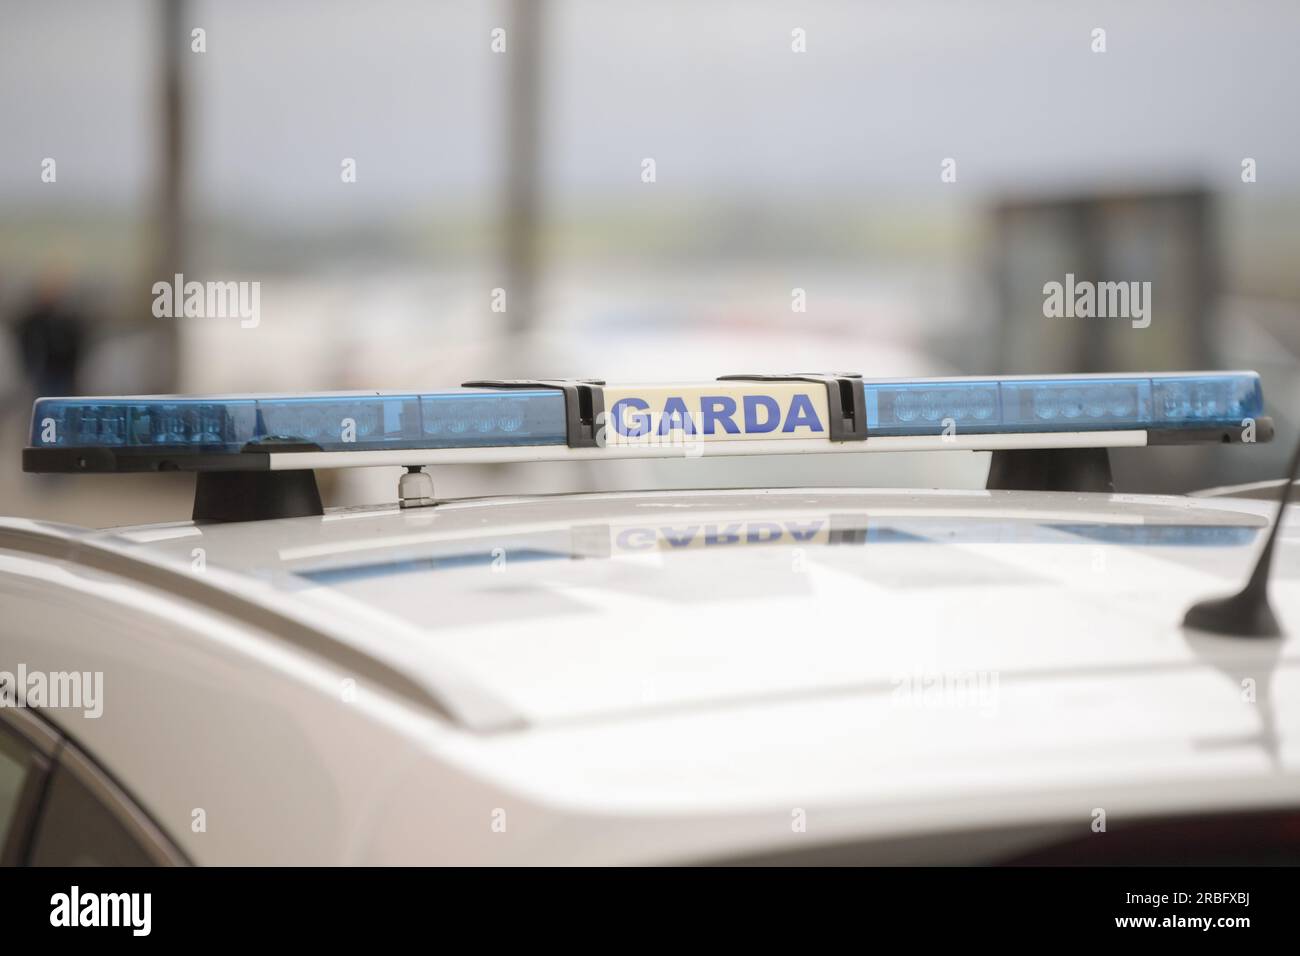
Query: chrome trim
<point>32,729</point>
<point>117,801</point>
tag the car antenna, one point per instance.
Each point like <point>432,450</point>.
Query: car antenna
<point>1247,613</point>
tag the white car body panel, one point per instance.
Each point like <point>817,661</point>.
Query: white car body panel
<point>628,700</point>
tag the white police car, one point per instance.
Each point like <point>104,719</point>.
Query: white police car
<point>793,675</point>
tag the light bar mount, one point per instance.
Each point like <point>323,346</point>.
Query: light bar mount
<point>257,495</point>
<point>227,487</point>
<point>1051,469</point>
<point>584,403</point>
<point>846,399</point>
<point>1088,469</point>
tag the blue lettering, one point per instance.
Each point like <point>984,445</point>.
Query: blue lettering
<point>727,536</point>
<point>804,532</point>
<point>802,414</point>
<point>640,423</point>
<point>680,539</point>
<point>752,404</point>
<point>718,408</point>
<point>676,415</point>
<point>761,532</point>
<point>636,539</point>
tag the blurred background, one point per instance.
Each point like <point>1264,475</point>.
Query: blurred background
<point>795,145</point>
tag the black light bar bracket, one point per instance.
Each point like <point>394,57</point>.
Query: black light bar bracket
<point>584,403</point>
<point>227,487</point>
<point>846,399</point>
<point>1088,469</point>
<point>1051,469</point>
<point>259,494</point>
<point>255,495</point>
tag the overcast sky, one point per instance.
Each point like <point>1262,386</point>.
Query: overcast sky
<point>711,90</point>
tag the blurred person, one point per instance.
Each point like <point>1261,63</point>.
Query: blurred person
<point>10,370</point>
<point>51,338</point>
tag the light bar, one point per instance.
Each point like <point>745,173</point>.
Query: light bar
<point>1075,403</point>
<point>343,422</point>
<point>520,421</point>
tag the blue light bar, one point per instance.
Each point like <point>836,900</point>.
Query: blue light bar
<point>365,421</point>
<point>1064,404</point>
<point>521,417</point>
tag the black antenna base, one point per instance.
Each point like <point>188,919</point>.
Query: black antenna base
<point>1247,613</point>
<point>1241,615</point>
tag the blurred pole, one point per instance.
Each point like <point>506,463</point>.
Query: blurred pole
<point>169,209</point>
<point>522,170</point>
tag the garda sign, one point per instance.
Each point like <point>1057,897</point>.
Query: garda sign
<point>722,411</point>
<point>715,534</point>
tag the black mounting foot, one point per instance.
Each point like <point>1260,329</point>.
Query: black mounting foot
<point>1247,613</point>
<point>255,495</point>
<point>1051,469</point>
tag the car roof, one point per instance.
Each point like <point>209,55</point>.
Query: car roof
<point>554,609</point>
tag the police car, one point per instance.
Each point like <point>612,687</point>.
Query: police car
<point>1041,671</point>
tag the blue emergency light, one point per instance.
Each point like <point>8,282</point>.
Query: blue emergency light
<point>480,418</point>
<point>1018,417</point>
<point>342,422</point>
